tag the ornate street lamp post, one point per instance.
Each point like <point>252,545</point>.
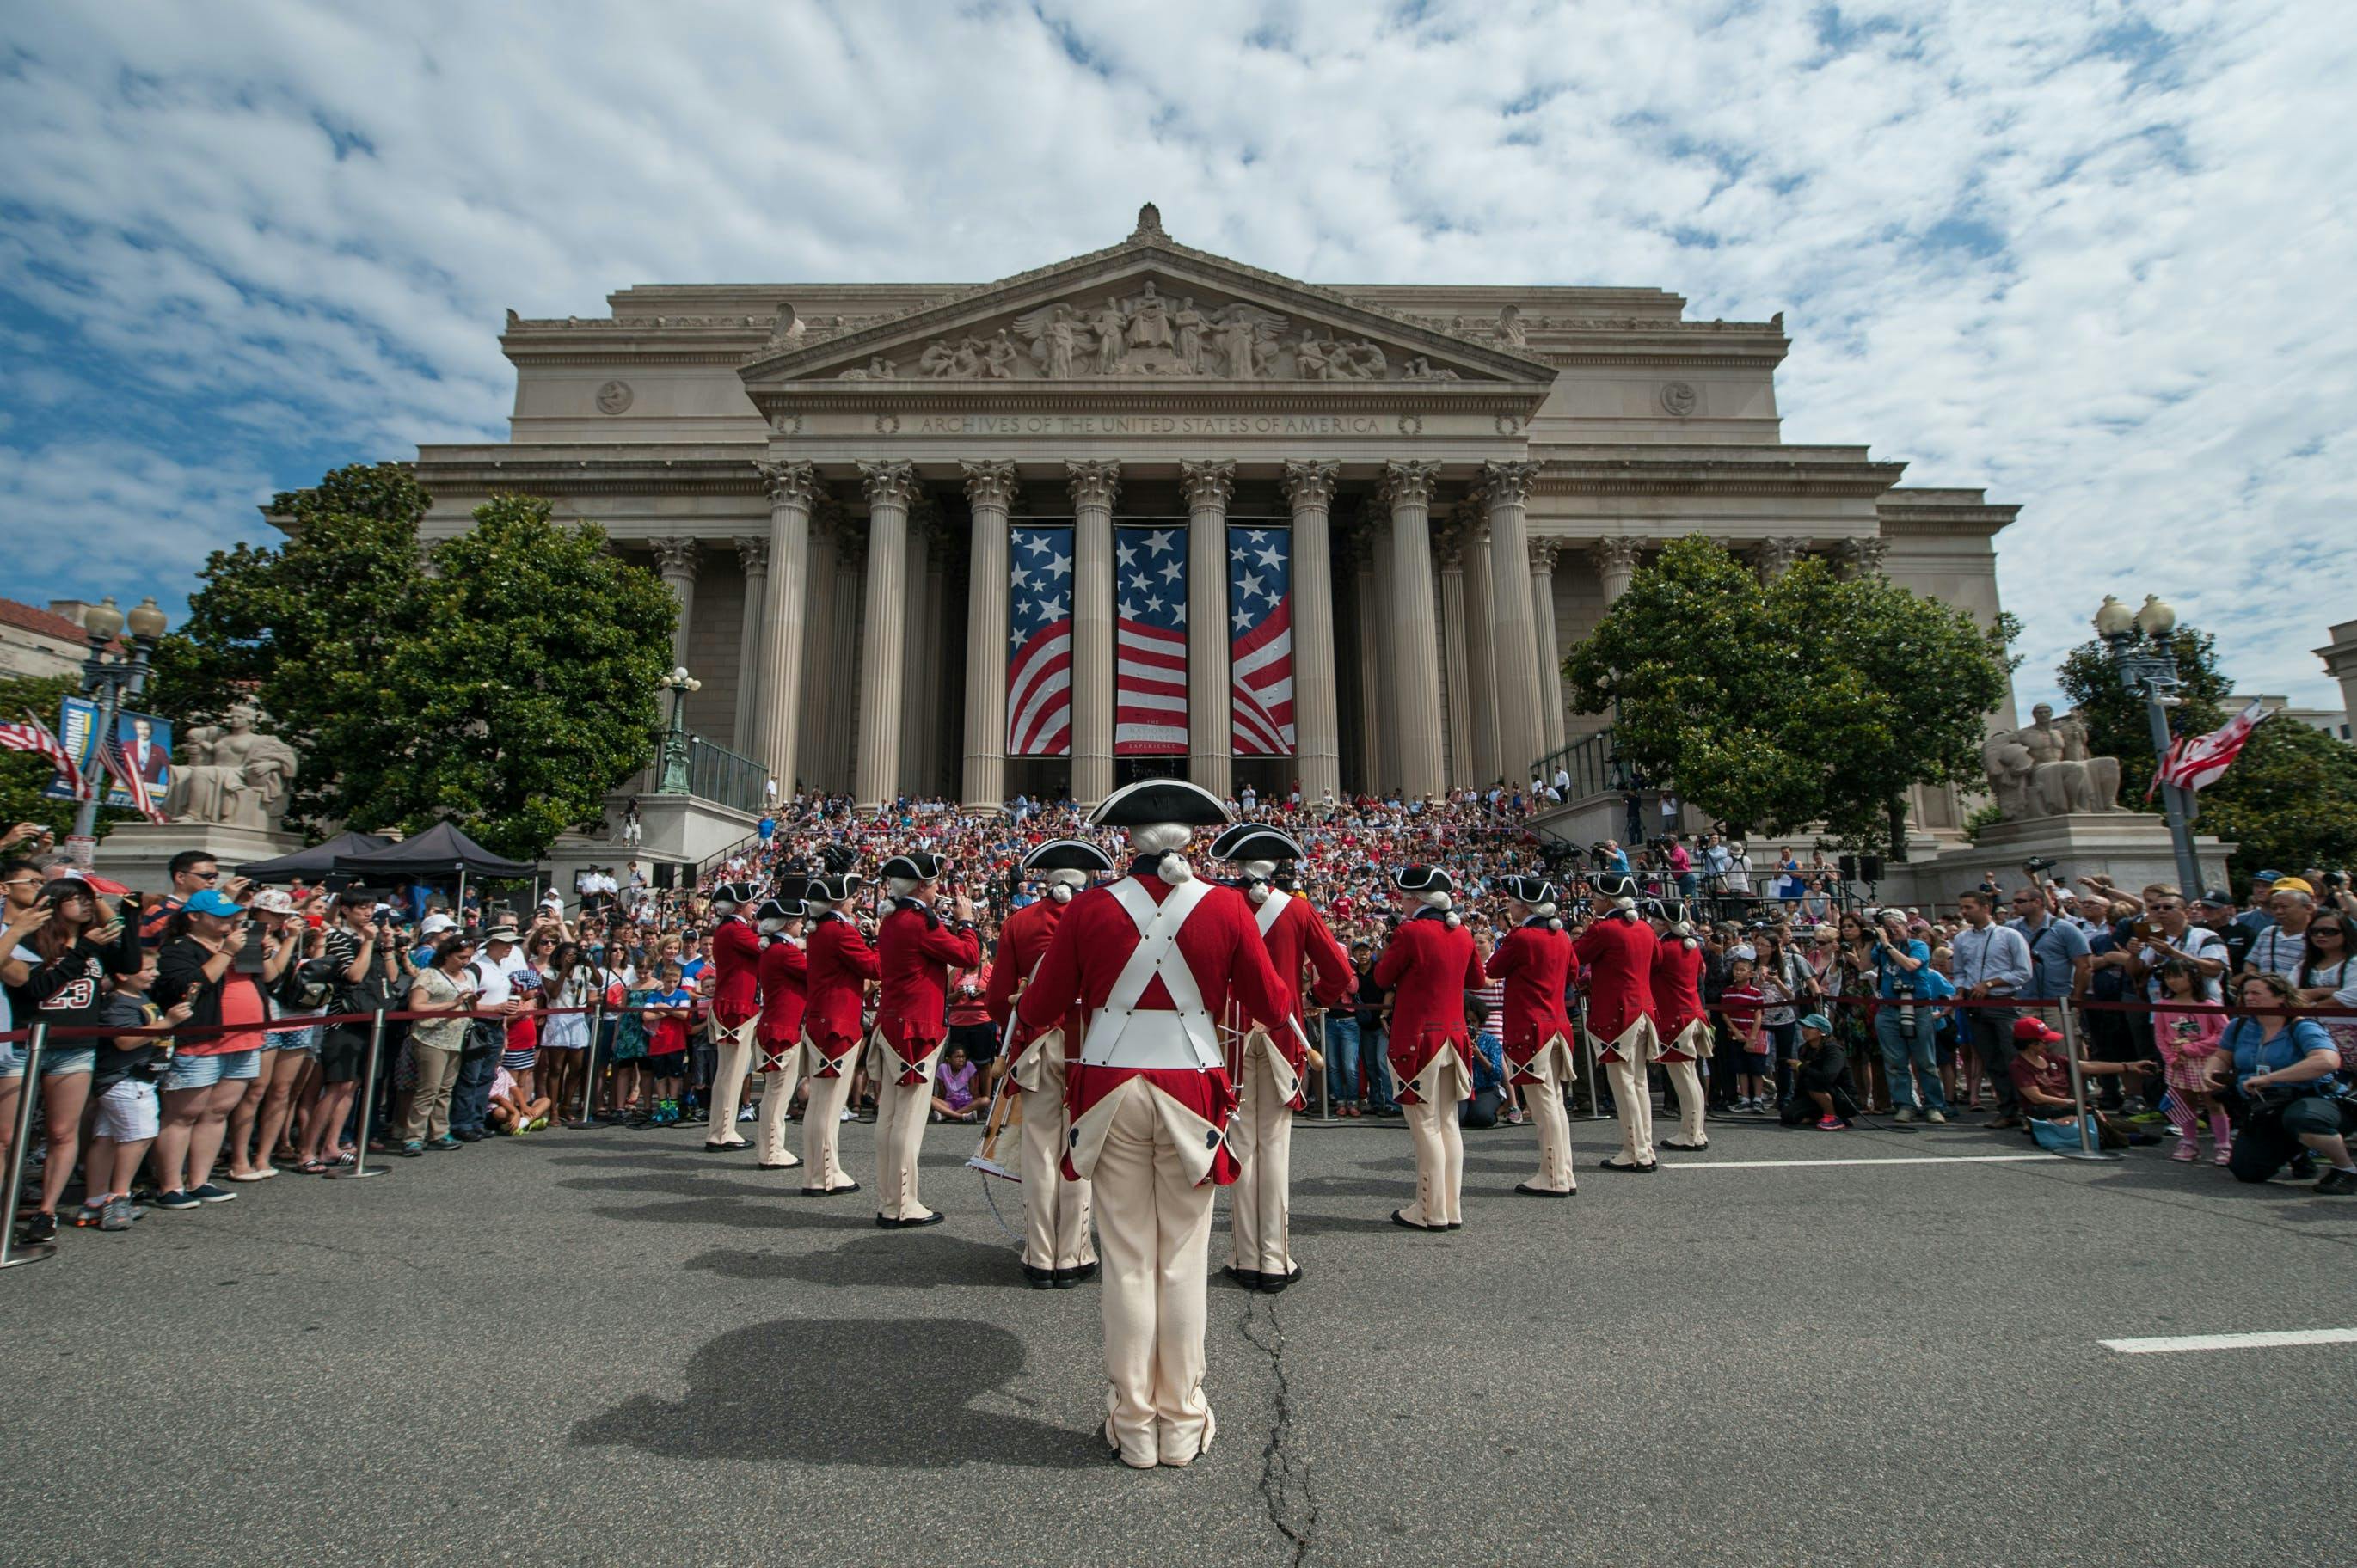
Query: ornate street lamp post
<point>109,680</point>
<point>2142,653</point>
<point>679,683</point>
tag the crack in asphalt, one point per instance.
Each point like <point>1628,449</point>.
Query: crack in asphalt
<point>1284,1488</point>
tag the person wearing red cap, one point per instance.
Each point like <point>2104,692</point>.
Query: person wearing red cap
<point>1680,1023</point>
<point>1057,1250</point>
<point>841,965</point>
<point>1615,952</point>
<point>735,1009</point>
<point>1270,1067</point>
<point>1150,961</point>
<point>2042,1081</point>
<point>914,951</point>
<point>1535,963</point>
<point>785,987</point>
<point>1428,966</point>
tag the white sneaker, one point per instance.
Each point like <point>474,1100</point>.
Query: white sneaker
<point>748,1114</point>
<point>1939,1116</point>
<point>1904,1113</point>
<point>848,1115</point>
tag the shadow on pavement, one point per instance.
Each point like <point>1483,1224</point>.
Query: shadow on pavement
<point>913,1262</point>
<point>852,1211</point>
<point>777,1391</point>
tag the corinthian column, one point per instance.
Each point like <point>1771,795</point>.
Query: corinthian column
<point>818,757</point>
<point>1863,557</point>
<point>891,487</point>
<point>1385,633</point>
<point>1211,738</point>
<point>793,487</point>
<point>1481,645</point>
<point>1317,708</point>
<point>1615,564</point>
<point>1407,485</point>
<point>1778,557</point>
<point>1513,627</point>
<point>919,618</point>
<point>1094,485</point>
<point>753,553</point>
<point>675,563</point>
<point>989,491</point>
<point>1457,703</point>
<point>1550,657</point>
<point>1369,673</point>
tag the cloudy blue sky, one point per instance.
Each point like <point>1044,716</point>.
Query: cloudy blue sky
<point>2095,256</point>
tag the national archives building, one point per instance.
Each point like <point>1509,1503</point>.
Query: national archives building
<point>1151,511</point>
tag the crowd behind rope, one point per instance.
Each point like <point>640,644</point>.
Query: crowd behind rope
<point>1822,1011</point>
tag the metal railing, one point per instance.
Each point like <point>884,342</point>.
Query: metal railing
<point>1588,760</point>
<point>716,773</point>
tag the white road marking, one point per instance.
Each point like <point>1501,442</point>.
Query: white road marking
<point>1897,1160</point>
<point>2266,1341</point>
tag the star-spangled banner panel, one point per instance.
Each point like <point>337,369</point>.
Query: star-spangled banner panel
<point>1260,639</point>
<point>1039,634</point>
<point>1150,641</point>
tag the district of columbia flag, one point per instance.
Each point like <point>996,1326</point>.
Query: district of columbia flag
<point>1260,639</point>
<point>1039,631</point>
<point>1149,691</point>
<point>2199,760</point>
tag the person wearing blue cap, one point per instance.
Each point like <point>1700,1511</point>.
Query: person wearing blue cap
<point>1820,1078</point>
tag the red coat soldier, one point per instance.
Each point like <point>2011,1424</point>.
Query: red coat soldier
<point>841,964</point>
<point>736,1007</point>
<point>1057,1250</point>
<point>1428,966</point>
<point>1269,1066</point>
<point>1536,966</point>
<point>785,980</point>
<point>1617,951</point>
<point>1680,1025</point>
<point>915,950</point>
<point>1150,961</point>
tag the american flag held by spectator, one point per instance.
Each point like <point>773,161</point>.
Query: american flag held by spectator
<point>1260,651</point>
<point>1149,699</point>
<point>1039,626</point>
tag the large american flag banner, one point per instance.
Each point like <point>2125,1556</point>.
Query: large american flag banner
<point>1260,639</point>
<point>34,736</point>
<point>1039,625</point>
<point>1149,691</point>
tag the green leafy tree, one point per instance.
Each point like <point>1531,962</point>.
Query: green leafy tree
<point>505,678</point>
<point>528,690</point>
<point>24,774</point>
<point>1815,699</point>
<point>2289,801</point>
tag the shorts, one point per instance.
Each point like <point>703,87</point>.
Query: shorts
<point>671,1064</point>
<point>980,1040</point>
<point>220,1067</point>
<point>515,1061</point>
<point>126,1113</point>
<point>1759,1063</point>
<point>62,1059</point>
<point>342,1049</point>
<point>11,1063</point>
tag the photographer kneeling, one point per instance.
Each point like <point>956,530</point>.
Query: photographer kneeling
<point>2288,1069</point>
<point>1822,1093</point>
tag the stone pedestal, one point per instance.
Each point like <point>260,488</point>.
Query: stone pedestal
<point>137,854</point>
<point>2132,848</point>
<point>680,832</point>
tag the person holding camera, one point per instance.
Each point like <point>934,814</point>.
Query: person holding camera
<point>1903,1031</point>
<point>57,977</point>
<point>210,958</point>
<point>2288,1069</point>
<point>1990,964</point>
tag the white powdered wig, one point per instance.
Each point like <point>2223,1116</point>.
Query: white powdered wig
<point>903,886</point>
<point>1064,884</point>
<point>1165,839</point>
<point>1437,898</point>
<point>771,928</point>
<point>1258,874</point>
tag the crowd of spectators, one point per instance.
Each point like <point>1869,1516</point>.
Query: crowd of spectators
<point>221,1075</point>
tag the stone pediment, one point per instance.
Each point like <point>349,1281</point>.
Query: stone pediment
<point>1148,309</point>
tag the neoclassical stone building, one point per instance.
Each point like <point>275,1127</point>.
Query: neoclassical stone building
<point>827,476</point>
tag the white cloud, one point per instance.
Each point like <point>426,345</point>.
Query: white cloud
<point>2087,254</point>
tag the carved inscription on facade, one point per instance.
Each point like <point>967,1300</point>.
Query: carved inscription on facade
<point>1145,425</point>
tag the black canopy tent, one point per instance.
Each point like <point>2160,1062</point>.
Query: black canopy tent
<point>440,851</point>
<point>317,861</point>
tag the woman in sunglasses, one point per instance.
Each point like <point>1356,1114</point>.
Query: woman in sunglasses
<point>59,976</point>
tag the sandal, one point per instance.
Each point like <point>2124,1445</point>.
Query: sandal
<point>312,1167</point>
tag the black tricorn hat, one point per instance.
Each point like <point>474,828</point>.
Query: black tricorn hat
<point>1160,800</point>
<point>1255,841</point>
<point>919,866</point>
<point>779,909</point>
<point>1423,879</point>
<point>1531,890</point>
<point>733,893</point>
<point>833,889</point>
<point>791,891</point>
<point>1067,855</point>
<point>1614,884</point>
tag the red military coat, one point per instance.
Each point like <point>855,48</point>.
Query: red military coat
<point>1022,942</point>
<point>1616,952</point>
<point>1677,993</point>
<point>736,966</point>
<point>1295,934</point>
<point>1536,966</point>
<point>914,951</point>
<point>1427,967</point>
<point>785,983</point>
<point>1223,952</point>
<point>839,959</point>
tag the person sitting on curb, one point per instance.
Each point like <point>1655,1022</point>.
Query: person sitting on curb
<point>2042,1079</point>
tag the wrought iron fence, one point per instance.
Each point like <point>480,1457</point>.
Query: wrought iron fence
<point>1589,762</point>
<point>716,773</point>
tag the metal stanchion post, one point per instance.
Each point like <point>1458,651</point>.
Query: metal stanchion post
<point>2088,1148</point>
<point>589,1065</point>
<point>1595,1087</point>
<point>359,1165</point>
<point>12,1185</point>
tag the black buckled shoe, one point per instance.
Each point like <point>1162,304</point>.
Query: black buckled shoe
<point>885,1222</point>
<point>1527,1190</point>
<point>1248,1278</point>
<point>1042,1279</point>
<point>1272,1285</point>
<point>1610,1164</point>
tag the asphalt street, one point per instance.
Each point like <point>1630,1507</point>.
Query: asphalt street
<point>610,1346</point>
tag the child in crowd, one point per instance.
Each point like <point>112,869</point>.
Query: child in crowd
<point>626,1018</point>
<point>671,1009</point>
<point>522,1049</point>
<point>1489,1067</point>
<point>2187,1041</point>
<point>954,1084</point>
<point>123,1096</point>
<point>1741,1005</point>
<point>513,1109</point>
